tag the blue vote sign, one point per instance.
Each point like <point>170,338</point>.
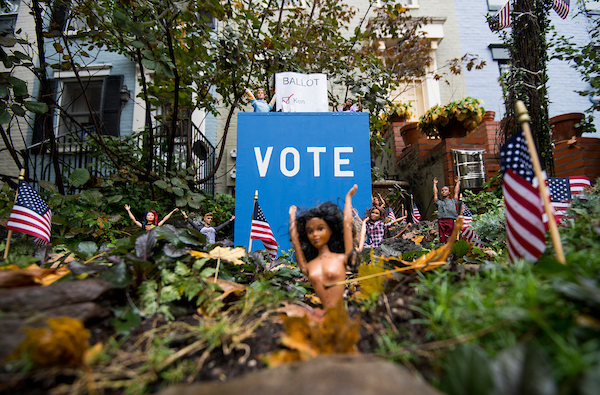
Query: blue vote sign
<point>300,159</point>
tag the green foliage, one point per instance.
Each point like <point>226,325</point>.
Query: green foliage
<point>502,307</point>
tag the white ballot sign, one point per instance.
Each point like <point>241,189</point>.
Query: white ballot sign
<point>297,92</point>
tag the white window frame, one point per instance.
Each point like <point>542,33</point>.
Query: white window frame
<point>11,13</point>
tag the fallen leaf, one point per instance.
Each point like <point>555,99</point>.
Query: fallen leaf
<point>371,286</point>
<point>225,253</point>
<point>229,287</point>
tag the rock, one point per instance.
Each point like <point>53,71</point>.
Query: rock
<point>325,375</point>
<point>82,311</point>
<point>35,298</point>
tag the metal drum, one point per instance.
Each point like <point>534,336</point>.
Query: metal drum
<point>470,167</point>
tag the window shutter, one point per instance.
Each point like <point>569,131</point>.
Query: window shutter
<point>111,108</point>
<point>45,121</point>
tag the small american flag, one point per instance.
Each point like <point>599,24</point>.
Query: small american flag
<point>562,190</point>
<point>391,216</point>
<point>502,18</point>
<point>415,214</point>
<point>30,214</point>
<point>261,230</point>
<point>525,232</point>
<point>467,217</point>
<point>561,7</point>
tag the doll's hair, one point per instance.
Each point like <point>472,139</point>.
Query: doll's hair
<point>370,210</point>
<point>209,214</point>
<point>334,217</point>
<point>145,222</point>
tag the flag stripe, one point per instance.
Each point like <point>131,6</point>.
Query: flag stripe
<point>502,18</point>
<point>524,225</point>
<point>561,7</point>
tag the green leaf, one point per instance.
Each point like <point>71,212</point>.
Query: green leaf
<point>118,274</point>
<point>92,197</point>
<point>182,269</point>
<point>178,191</point>
<point>124,322</point>
<point>21,55</point>
<point>161,184</point>
<point>114,199</point>
<point>5,116</point>
<point>47,185</point>
<point>17,110</point>
<point>199,264</point>
<point>148,54</point>
<point>208,272</point>
<point>79,177</point>
<point>181,202</point>
<point>168,294</point>
<point>137,44</point>
<point>149,64</point>
<point>19,86</point>
<point>89,248</point>
<point>3,91</point>
<point>460,248</point>
<point>193,204</point>
<point>191,287</point>
<point>36,107</point>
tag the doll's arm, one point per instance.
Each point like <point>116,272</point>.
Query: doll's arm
<point>167,217</point>
<point>300,258</point>
<point>363,234</point>
<point>224,224</point>
<point>249,93</point>
<point>435,190</point>
<point>397,220</point>
<point>402,232</point>
<point>456,188</point>
<point>348,243</point>
<point>272,102</point>
<point>135,221</point>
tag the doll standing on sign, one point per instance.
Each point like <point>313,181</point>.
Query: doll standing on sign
<point>259,103</point>
<point>150,218</point>
<point>323,241</point>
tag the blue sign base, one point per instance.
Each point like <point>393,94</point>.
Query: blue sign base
<point>300,159</point>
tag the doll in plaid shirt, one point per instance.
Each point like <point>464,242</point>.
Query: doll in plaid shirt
<point>376,226</point>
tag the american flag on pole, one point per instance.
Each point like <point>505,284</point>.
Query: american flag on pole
<point>561,7</point>
<point>415,214</point>
<point>261,230</point>
<point>502,18</point>
<point>562,190</point>
<point>30,214</point>
<point>525,231</point>
<point>467,232</point>
<point>467,216</point>
<point>391,216</point>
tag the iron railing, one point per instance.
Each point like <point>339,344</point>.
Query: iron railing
<point>192,149</point>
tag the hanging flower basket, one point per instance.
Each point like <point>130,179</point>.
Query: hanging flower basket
<point>410,133</point>
<point>455,119</point>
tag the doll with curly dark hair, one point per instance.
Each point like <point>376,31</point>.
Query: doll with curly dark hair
<point>323,241</point>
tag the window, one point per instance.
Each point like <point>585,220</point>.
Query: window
<point>8,17</point>
<point>500,54</point>
<point>74,103</point>
<point>495,5</point>
<point>105,99</point>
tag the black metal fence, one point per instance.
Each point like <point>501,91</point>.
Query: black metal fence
<point>73,151</point>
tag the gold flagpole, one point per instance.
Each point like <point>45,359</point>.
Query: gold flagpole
<point>523,119</point>
<point>255,199</point>
<point>21,178</point>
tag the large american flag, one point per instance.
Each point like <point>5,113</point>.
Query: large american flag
<point>30,214</point>
<point>415,214</point>
<point>525,231</point>
<point>261,230</point>
<point>391,215</point>
<point>561,7</point>
<point>502,18</point>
